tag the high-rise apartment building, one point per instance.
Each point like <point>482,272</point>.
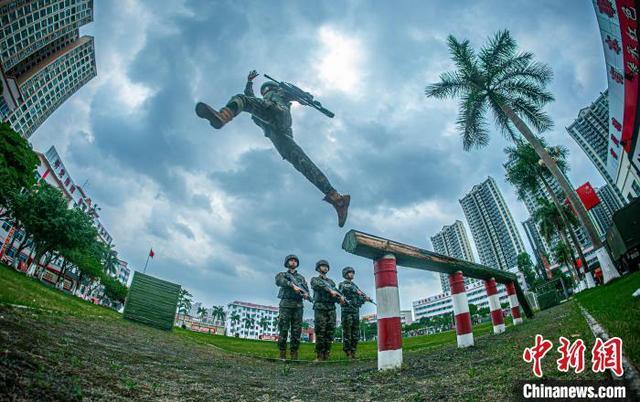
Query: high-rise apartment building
<point>591,131</point>
<point>452,240</point>
<point>43,58</point>
<point>492,227</point>
<point>603,212</point>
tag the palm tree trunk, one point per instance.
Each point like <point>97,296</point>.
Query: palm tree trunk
<point>566,224</point>
<point>608,270</point>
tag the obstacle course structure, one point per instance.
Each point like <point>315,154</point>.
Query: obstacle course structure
<point>387,254</point>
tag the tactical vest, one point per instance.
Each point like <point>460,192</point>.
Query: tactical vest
<point>290,294</point>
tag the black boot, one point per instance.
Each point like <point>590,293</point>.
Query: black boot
<point>340,203</point>
<point>216,119</point>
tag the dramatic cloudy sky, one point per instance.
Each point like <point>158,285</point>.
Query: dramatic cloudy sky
<point>221,209</point>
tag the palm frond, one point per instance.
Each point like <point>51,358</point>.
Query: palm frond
<point>493,55</point>
<point>463,56</point>
<point>531,113</point>
<point>526,89</point>
<point>471,121</point>
<point>451,84</point>
<point>502,121</point>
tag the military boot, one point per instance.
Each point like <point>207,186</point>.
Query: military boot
<point>340,203</point>
<point>283,355</point>
<point>216,119</point>
<point>318,357</point>
<point>353,355</point>
<point>294,355</point>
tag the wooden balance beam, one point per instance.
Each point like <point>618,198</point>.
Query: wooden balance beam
<point>374,247</point>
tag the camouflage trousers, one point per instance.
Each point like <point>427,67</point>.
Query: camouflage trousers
<point>325,326</point>
<point>276,122</point>
<point>350,330</point>
<point>290,319</point>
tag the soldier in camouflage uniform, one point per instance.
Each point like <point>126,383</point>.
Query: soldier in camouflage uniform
<point>272,113</point>
<point>350,314</point>
<point>325,297</point>
<point>293,289</point>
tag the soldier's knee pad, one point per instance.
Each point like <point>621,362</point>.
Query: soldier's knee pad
<point>237,103</point>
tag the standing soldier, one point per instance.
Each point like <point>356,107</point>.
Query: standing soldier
<point>272,114</point>
<point>325,297</point>
<point>350,314</point>
<point>293,289</point>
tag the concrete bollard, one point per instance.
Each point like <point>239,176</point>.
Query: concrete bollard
<point>494,306</point>
<point>513,302</point>
<point>388,313</point>
<point>460,303</point>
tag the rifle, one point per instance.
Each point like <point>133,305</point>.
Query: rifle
<point>370,300</point>
<point>305,289</point>
<point>300,96</point>
<point>328,286</point>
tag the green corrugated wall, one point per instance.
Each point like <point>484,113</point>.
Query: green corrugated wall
<point>152,301</point>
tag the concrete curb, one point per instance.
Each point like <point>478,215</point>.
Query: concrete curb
<point>631,375</point>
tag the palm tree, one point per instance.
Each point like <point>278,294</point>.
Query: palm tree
<point>562,253</point>
<point>202,312</point>
<point>525,172</point>
<point>550,222</point>
<point>249,322</point>
<point>235,318</point>
<point>263,323</point>
<point>276,319</point>
<point>513,86</point>
<point>217,312</point>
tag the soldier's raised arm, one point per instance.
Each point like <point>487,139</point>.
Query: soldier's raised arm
<point>248,89</point>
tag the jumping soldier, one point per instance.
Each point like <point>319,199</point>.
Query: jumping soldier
<point>272,113</point>
<point>350,314</point>
<point>293,289</point>
<point>325,297</point>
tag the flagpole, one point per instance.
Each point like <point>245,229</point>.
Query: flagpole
<point>145,264</point>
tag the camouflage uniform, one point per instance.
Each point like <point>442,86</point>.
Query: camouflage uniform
<point>350,316</point>
<point>272,113</point>
<point>290,318</point>
<point>324,307</point>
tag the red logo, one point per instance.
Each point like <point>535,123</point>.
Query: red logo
<point>616,76</point>
<point>607,355</point>
<point>616,124</point>
<point>572,355</point>
<point>535,354</point>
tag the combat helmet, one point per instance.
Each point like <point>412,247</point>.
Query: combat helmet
<point>346,270</point>
<point>322,262</point>
<point>267,86</point>
<point>290,257</point>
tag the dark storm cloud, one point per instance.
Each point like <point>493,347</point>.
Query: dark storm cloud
<point>221,208</point>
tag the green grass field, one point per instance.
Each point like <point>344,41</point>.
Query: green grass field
<point>18,289</point>
<point>617,311</point>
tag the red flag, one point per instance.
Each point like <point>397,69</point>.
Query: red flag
<point>151,253</point>
<point>587,195</point>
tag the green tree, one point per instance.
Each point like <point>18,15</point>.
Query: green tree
<point>46,222</point>
<point>184,302</point>
<point>525,265</point>
<point>235,318</point>
<point>513,86</point>
<point>18,163</point>
<point>249,322</point>
<point>473,309</point>
<point>525,171</point>
<point>550,222</point>
<point>217,313</point>
<point>81,234</point>
<point>263,323</point>
<point>202,312</point>
<point>562,253</point>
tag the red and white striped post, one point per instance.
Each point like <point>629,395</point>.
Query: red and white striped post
<point>494,306</point>
<point>461,310</point>
<point>514,303</point>
<point>388,313</point>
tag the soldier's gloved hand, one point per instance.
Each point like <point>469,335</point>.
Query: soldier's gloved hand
<point>252,74</point>
<point>333,293</point>
<point>343,301</point>
<point>296,289</point>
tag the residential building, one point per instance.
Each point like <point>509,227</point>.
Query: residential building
<point>123,272</point>
<point>442,304</point>
<point>251,318</point>
<point>540,247</point>
<point>492,226</point>
<point>452,241</point>
<point>43,58</point>
<point>603,212</point>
